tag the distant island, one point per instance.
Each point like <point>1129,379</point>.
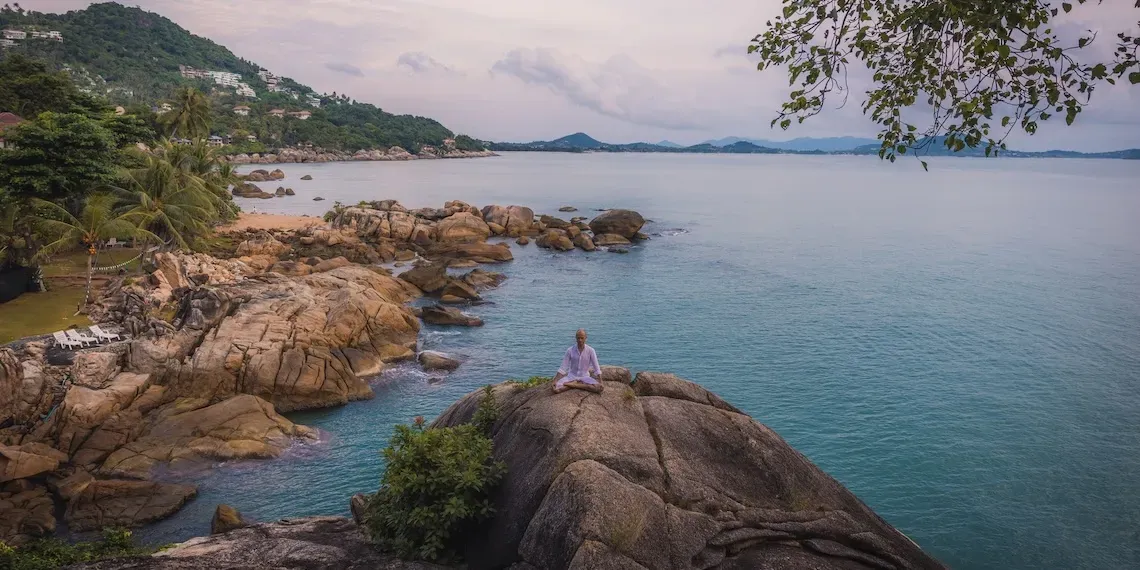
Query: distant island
<point>581,142</point>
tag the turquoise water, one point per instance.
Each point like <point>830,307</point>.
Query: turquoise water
<point>958,347</point>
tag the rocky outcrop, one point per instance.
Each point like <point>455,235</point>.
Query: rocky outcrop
<point>462,227</point>
<point>700,485</point>
<point>108,503</point>
<point>440,315</point>
<point>250,190</point>
<point>307,177</point>
<point>625,223</point>
<point>478,252</point>
<point>241,427</point>
<point>226,518</point>
<point>293,544</point>
<point>431,360</point>
<point>27,512</point>
<point>605,240</point>
<point>318,155</point>
<point>515,220</point>
<point>298,343</point>
<point>28,460</point>
<point>555,239</point>
<point>262,243</point>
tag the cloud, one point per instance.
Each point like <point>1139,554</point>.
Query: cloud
<point>618,88</point>
<point>346,68</point>
<point>420,62</point>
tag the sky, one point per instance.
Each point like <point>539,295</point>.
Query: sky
<point>620,70</point>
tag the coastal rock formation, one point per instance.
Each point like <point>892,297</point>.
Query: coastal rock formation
<point>307,177</point>
<point>27,512</point>
<point>298,343</point>
<point>317,155</point>
<point>604,240</point>
<point>29,460</point>
<point>226,518</point>
<point>478,252</point>
<point>515,220</point>
<point>250,190</point>
<point>292,544</point>
<point>462,226</point>
<point>699,484</point>
<point>432,360</point>
<point>262,243</point>
<point>107,503</point>
<point>241,427</point>
<point>567,209</point>
<point>625,223</point>
<point>555,239</point>
<point>440,315</point>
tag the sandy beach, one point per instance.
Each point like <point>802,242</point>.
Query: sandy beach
<point>248,221</point>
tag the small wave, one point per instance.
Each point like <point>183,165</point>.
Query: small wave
<point>671,232</point>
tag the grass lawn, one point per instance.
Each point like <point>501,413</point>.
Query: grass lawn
<point>41,313</point>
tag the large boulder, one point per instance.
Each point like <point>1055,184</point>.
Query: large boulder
<point>555,239</point>
<point>429,278</point>
<point>293,544</point>
<point>28,460</point>
<point>625,223</point>
<point>226,518</point>
<point>28,512</point>
<point>440,315</point>
<point>699,485</point>
<point>107,503</point>
<point>605,240</point>
<point>299,343</point>
<point>187,437</point>
<point>261,244</point>
<point>481,280</point>
<point>515,220</point>
<point>432,360</point>
<point>464,227</point>
<point>481,252</point>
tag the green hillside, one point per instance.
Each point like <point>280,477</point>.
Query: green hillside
<point>132,57</point>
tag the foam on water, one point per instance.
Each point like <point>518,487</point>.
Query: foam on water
<point>958,347</point>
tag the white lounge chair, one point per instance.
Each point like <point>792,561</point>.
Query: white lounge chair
<point>80,337</point>
<point>61,340</point>
<point>103,335</point>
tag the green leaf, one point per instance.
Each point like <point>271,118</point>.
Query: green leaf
<point>1134,77</point>
<point>1067,7</point>
<point>924,166</point>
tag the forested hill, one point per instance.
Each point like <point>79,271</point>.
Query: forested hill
<point>132,57</point>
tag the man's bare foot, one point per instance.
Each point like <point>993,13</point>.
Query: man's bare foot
<point>560,388</point>
<point>595,388</point>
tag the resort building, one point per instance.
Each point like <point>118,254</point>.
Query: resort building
<point>165,108</point>
<point>14,34</point>
<point>302,115</point>
<point>7,120</point>
<point>52,35</point>
<point>251,138</point>
<point>6,43</point>
<point>241,110</point>
<point>244,90</point>
<point>277,113</point>
<point>215,140</point>
<point>314,101</point>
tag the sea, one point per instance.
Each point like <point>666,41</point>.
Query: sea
<point>959,347</point>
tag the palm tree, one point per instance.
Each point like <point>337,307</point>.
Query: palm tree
<point>167,200</point>
<point>190,117</point>
<point>96,224</point>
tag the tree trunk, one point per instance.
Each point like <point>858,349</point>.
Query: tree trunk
<point>87,291</point>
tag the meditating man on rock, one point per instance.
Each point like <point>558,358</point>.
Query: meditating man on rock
<point>580,368</point>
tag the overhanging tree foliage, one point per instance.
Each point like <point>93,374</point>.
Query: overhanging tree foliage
<point>981,67</point>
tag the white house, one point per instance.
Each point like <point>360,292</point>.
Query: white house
<point>244,90</point>
<point>302,115</point>
<point>251,138</point>
<point>15,35</point>
<point>165,108</point>
<point>314,101</point>
<point>52,35</point>
<point>6,43</point>
<point>277,113</point>
<point>215,140</point>
<point>241,110</point>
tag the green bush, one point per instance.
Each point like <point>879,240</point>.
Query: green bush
<point>435,490</point>
<point>487,413</point>
<point>51,553</point>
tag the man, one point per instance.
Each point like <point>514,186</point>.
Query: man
<point>580,368</point>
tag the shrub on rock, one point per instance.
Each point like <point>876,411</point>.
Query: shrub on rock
<point>434,492</point>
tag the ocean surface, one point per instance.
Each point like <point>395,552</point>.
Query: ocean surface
<point>960,348</point>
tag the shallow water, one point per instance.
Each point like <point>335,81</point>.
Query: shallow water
<point>957,347</point>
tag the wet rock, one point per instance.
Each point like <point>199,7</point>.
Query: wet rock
<point>277,174</point>
<point>318,199</point>
<point>290,192</point>
<point>523,240</point>
<point>514,219</point>
<point>555,239</point>
<point>452,300</point>
<point>605,240</point>
<point>226,518</point>
<point>106,503</point>
<point>584,242</point>
<point>618,250</point>
<point>625,223</point>
<point>480,252</point>
<point>440,315</point>
<point>460,289</point>
<point>258,175</point>
<point>481,280</point>
<point>553,223</point>
<point>248,190</point>
<point>432,360</point>
<point>280,191</point>
<point>307,177</point>
<point>567,209</point>
<point>429,278</point>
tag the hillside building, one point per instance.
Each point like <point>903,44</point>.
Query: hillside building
<point>241,110</point>
<point>7,121</point>
<point>14,34</point>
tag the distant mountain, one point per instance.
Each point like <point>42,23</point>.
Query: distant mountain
<point>581,142</point>
<point>133,58</point>
<point>828,144</point>
<point>669,144</point>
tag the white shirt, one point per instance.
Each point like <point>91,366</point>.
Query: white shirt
<point>576,365</point>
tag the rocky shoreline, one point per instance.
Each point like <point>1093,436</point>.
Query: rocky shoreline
<point>310,155</point>
<point>218,346</point>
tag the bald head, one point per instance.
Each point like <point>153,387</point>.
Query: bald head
<point>580,336</point>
